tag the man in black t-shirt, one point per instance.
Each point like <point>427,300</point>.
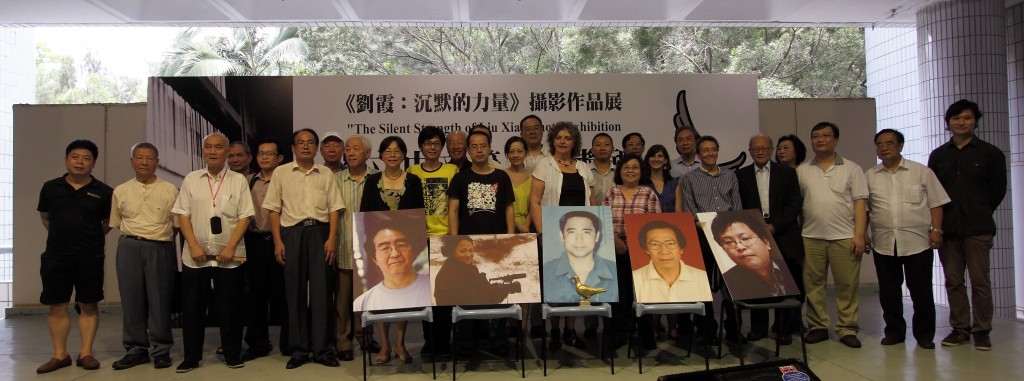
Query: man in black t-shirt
<point>480,198</point>
<point>75,209</point>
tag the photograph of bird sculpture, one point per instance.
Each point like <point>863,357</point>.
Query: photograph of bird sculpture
<point>585,291</point>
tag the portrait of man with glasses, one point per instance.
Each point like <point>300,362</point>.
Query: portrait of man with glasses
<point>674,271</point>
<point>752,266</point>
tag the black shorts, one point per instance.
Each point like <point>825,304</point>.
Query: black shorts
<point>62,274</point>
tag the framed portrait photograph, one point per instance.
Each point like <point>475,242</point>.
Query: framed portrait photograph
<point>665,255</point>
<point>390,250</point>
<point>751,262</point>
<point>484,269</point>
<point>578,244</point>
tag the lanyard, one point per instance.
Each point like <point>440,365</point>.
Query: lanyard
<point>212,192</point>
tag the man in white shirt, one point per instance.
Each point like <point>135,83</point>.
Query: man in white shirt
<point>602,169</point>
<point>667,279</point>
<point>304,204</point>
<point>835,221</point>
<point>686,145</point>
<point>146,266</point>
<point>531,129</point>
<point>905,202</point>
<point>213,209</point>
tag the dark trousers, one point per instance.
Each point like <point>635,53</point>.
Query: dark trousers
<point>226,304</point>
<point>970,254</point>
<point>917,270</point>
<point>308,283</point>
<point>145,277</point>
<point>265,299</point>
<point>791,318</point>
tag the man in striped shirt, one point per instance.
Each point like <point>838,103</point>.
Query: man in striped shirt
<point>711,189</point>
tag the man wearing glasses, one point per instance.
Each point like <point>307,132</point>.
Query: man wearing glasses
<point>667,279</point>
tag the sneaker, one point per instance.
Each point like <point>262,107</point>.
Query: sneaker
<point>816,336</point>
<point>186,366</point>
<point>955,338</point>
<point>982,342</point>
<point>131,360</point>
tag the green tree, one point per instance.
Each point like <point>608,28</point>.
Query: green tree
<point>243,51</point>
<point>60,81</point>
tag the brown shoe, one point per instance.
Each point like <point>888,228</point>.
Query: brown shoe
<point>53,365</point>
<point>88,362</point>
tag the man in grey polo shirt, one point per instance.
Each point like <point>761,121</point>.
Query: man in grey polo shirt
<point>835,219</point>
<point>146,266</point>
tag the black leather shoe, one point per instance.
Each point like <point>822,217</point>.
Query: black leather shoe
<point>131,360</point>
<point>892,340</point>
<point>850,340</point>
<point>162,361</point>
<point>328,361</point>
<point>187,366</point>
<point>295,362</point>
<point>816,336</point>
<point>926,344</point>
<point>755,336</point>
<point>346,355</point>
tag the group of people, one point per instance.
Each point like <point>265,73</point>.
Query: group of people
<point>281,236</point>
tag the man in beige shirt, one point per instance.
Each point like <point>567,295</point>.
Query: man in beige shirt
<point>146,266</point>
<point>304,204</point>
<point>265,276</point>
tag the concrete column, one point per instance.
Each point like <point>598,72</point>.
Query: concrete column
<point>1015,72</point>
<point>962,53</point>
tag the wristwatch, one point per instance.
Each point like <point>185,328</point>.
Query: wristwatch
<point>933,229</point>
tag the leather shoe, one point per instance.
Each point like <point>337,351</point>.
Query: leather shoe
<point>186,366</point>
<point>88,362</point>
<point>816,336</point>
<point>295,362</point>
<point>850,340</point>
<point>53,365</point>
<point>162,361</point>
<point>785,339</point>
<point>755,336</point>
<point>890,340</point>
<point>926,344</point>
<point>130,360</point>
<point>348,355</point>
<point>328,361</point>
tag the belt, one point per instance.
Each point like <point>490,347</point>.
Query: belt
<point>137,238</point>
<point>310,222</point>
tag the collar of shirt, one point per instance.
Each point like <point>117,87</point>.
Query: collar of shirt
<point>839,160</point>
<point>766,168</point>
<point>902,165</point>
<point>709,172</point>
<point>219,176</point>
<point>652,273</point>
<point>600,269</point>
<point>593,168</point>
<point>952,144</point>
<point>314,168</point>
<point>346,174</point>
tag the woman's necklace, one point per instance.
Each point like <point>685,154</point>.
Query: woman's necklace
<point>393,178</point>
<point>565,163</point>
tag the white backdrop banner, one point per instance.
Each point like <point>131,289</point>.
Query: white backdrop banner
<point>653,104</point>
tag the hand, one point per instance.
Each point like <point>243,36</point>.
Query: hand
<point>227,255</point>
<point>935,239</point>
<point>197,253</point>
<point>329,250</point>
<point>279,252</point>
<point>858,245</point>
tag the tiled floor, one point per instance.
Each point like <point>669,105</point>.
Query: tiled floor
<point>24,344</point>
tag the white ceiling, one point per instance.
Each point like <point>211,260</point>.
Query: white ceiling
<point>859,13</point>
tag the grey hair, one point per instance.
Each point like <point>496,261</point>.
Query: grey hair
<point>146,145</point>
<point>367,144</point>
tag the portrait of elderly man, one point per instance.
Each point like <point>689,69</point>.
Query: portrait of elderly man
<point>667,278</point>
<point>759,270</point>
<point>390,248</point>
<point>577,253</point>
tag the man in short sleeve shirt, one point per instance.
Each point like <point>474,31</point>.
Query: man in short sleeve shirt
<point>213,208</point>
<point>304,204</point>
<point>146,262</point>
<point>74,209</point>
<point>835,219</point>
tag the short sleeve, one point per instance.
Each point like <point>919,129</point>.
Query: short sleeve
<point>115,213</point>
<point>44,200</point>
<point>858,184</point>
<point>272,200</point>
<point>183,204</point>
<point>937,195</point>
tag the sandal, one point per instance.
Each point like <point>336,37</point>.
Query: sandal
<point>403,357</point>
<point>383,358</point>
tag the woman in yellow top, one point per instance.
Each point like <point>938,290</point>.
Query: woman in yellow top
<point>522,180</point>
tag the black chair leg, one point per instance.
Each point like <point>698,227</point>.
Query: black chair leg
<point>739,338</point>
<point>544,348</point>
<point>721,326</point>
<point>609,343</point>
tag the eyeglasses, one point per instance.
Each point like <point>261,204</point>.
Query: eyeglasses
<point>394,152</point>
<point>631,168</point>
<point>266,154</point>
<point>432,143</point>
<point>760,149</point>
<point>730,243</point>
<point>401,246</point>
<point>659,246</point>
<point>822,136</point>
